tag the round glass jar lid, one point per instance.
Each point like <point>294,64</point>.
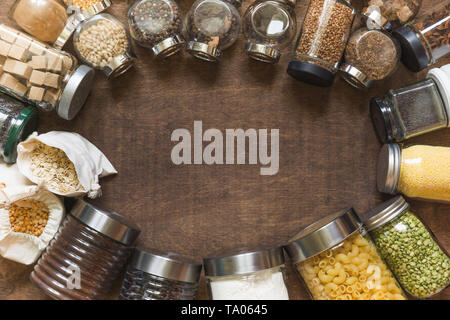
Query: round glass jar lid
<point>388,168</point>
<point>385,212</point>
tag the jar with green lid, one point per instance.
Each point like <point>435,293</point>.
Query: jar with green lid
<point>409,248</point>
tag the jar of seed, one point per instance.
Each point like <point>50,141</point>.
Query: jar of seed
<point>409,248</point>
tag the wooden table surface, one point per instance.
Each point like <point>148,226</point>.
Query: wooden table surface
<point>328,153</point>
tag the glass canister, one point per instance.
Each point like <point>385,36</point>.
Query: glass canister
<point>337,260</point>
<point>370,55</point>
<point>269,27</point>
<point>86,256</point>
<point>212,26</point>
<point>103,43</point>
<point>322,41</point>
<point>17,122</point>
<point>383,14</point>
<point>413,110</point>
<point>42,76</point>
<point>417,171</point>
<point>152,275</point>
<point>157,24</point>
<point>256,274</point>
<point>425,39</point>
<point>409,248</point>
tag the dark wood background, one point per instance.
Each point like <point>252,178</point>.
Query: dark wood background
<point>328,153</point>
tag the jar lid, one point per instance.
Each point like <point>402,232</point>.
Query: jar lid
<point>323,235</point>
<point>262,52</point>
<point>355,77</point>
<point>119,65</point>
<point>388,168</point>
<point>310,73</point>
<point>96,8</point>
<point>76,92</point>
<point>414,54</point>
<point>441,77</point>
<point>203,51</point>
<point>243,261</point>
<point>108,223</point>
<point>385,212</point>
<point>168,46</point>
<point>381,118</point>
<point>166,265</point>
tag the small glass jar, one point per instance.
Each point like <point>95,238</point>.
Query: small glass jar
<point>160,276</point>
<point>42,76</point>
<point>425,39</point>
<point>103,43</point>
<point>370,55</point>
<point>269,27</point>
<point>87,255</point>
<point>212,26</point>
<point>17,122</point>
<point>322,42</point>
<point>337,260</point>
<point>409,248</point>
<point>417,171</point>
<point>157,24</point>
<point>384,14</point>
<point>257,274</point>
<point>413,110</point>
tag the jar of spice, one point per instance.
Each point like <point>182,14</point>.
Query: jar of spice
<point>269,27</point>
<point>370,55</point>
<point>212,26</point>
<point>247,275</point>
<point>103,43</point>
<point>418,171</point>
<point>383,14</point>
<point>413,110</point>
<point>425,39</point>
<point>160,276</point>
<point>322,41</point>
<point>337,260</point>
<point>87,254</point>
<point>42,76</point>
<point>157,24</point>
<point>17,122</point>
<point>409,248</point>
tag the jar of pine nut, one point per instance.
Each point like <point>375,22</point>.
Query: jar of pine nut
<point>337,260</point>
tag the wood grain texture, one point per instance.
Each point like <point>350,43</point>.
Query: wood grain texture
<point>328,152</point>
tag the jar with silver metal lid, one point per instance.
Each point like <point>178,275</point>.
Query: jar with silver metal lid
<point>409,248</point>
<point>212,26</point>
<point>257,274</point>
<point>152,275</point>
<point>269,27</point>
<point>337,260</point>
<point>88,253</point>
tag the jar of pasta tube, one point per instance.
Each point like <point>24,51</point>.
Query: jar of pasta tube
<point>409,248</point>
<point>384,14</point>
<point>45,77</point>
<point>417,171</point>
<point>244,274</point>
<point>87,255</point>
<point>337,260</point>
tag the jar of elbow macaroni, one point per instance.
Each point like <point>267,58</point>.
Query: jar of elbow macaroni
<point>337,260</point>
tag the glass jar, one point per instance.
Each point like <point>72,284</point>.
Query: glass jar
<point>409,248</point>
<point>322,41</point>
<point>257,274</point>
<point>269,27</point>
<point>157,24</point>
<point>103,43</point>
<point>413,110</point>
<point>425,39</point>
<point>160,276</point>
<point>45,77</point>
<point>337,260</point>
<point>417,171</point>
<point>17,122</point>
<point>370,55</point>
<point>212,26</point>
<point>88,253</point>
<point>383,14</point>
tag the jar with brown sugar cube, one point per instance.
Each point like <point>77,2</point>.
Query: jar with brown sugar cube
<point>385,14</point>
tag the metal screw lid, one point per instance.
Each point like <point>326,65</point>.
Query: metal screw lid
<point>168,47</point>
<point>262,52</point>
<point>203,51</point>
<point>441,76</point>
<point>108,223</point>
<point>385,212</point>
<point>119,65</point>
<point>355,77</point>
<point>388,168</point>
<point>96,8</point>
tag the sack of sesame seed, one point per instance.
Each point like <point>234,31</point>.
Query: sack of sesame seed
<point>11,176</point>
<point>64,163</point>
<point>29,219</point>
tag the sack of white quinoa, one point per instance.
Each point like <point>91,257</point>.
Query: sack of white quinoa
<point>64,163</point>
<point>11,176</point>
<point>29,219</point>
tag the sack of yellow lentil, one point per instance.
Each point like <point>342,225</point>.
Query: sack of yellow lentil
<point>64,163</point>
<point>29,219</point>
<point>11,176</point>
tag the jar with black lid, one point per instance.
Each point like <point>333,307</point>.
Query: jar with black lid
<point>152,275</point>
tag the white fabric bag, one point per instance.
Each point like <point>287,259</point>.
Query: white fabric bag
<point>90,163</point>
<point>11,176</point>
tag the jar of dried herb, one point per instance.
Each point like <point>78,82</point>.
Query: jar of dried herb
<point>384,14</point>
